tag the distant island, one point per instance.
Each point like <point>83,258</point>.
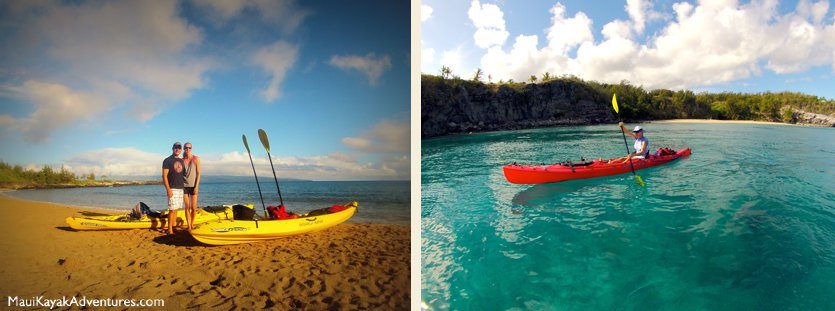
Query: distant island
<point>16,177</point>
<point>451,105</point>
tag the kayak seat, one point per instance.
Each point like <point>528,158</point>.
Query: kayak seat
<point>575,164</point>
<point>214,209</point>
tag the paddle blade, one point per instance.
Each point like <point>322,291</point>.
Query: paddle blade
<point>264,140</point>
<point>615,102</point>
<point>639,180</point>
<point>245,143</point>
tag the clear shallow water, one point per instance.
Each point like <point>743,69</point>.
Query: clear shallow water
<point>747,222</point>
<point>380,201</point>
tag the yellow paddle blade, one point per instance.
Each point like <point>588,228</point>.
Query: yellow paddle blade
<point>639,180</point>
<point>615,102</point>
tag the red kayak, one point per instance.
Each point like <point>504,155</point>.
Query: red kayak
<point>541,174</point>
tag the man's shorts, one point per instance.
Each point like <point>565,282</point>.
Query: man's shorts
<point>188,190</point>
<point>175,202</point>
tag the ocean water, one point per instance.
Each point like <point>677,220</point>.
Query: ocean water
<point>379,201</point>
<point>747,222</point>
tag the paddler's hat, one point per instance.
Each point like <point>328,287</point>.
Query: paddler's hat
<point>637,128</point>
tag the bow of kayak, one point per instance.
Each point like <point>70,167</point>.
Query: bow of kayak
<point>541,174</point>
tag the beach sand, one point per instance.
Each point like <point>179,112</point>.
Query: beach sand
<point>349,266</point>
<point>718,121</point>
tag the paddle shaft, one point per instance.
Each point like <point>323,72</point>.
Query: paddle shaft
<point>280,199</point>
<point>256,181</point>
<point>625,144</point>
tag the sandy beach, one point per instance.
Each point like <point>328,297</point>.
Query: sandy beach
<point>350,266</point>
<point>719,121</point>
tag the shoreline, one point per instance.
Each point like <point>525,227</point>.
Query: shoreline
<point>665,121</point>
<point>715,121</point>
<point>122,210</point>
<point>349,266</point>
<point>81,184</point>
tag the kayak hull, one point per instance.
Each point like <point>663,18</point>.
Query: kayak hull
<point>226,232</point>
<point>121,222</point>
<point>541,174</point>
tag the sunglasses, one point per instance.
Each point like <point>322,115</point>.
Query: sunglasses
<point>178,147</point>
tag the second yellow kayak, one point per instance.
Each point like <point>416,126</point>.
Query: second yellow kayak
<point>122,222</point>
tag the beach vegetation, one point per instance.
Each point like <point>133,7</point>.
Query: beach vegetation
<point>641,104</point>
<point>478,74</point>
<point>17,177</point>
<point>46,175</point>
<point>445,72</point>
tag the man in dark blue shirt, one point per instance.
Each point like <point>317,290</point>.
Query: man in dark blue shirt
<point>173,178</point>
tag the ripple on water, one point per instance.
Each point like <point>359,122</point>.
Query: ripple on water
<point>746,222</point>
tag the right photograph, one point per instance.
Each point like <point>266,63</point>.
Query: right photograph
<point>627,155</point>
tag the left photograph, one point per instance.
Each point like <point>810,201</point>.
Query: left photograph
<point>205,154</point>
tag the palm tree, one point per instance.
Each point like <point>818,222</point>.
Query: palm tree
<point>546,76</point>
<point>478,74</point>
<point>533,79</point>
<point>445,72</point>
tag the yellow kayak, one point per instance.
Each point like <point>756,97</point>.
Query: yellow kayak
<point>122,222</point>
<point>225,232</point>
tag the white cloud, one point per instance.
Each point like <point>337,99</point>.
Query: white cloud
<point>427,59</point>
<point>640,12</point>
<point>335,166</point>
<point>116,162</point>
<point>387,136</point>
<point>380,153</point>
<point>56,106</point>
<point>453,60</point>
<point>286,14</point>
<point>132,53</point>
<point>225,8</point>
<point>370,65</point>
<point>489,22</point>
<point>425,12</point>
<point>276,60</point>
<point>712,42</point>
<point>567,33</point>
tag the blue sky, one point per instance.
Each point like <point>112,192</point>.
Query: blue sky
<point>708,45</point>
<point>107,86</point>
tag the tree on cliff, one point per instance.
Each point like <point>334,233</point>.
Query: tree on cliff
<point>546,77</point>
<point>478,74</point>
<point>445,72</point>
<point>532,79</point>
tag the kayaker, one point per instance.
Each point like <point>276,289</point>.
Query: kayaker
<point>173,179</point>
<point>191,184</point>
<point>641,144</point>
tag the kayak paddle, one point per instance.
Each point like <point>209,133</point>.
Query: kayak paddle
<point>256,175</point>
<point>266,142</point>
<point>638,178</point>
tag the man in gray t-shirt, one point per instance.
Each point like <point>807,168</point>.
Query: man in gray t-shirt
<point>173,179</point>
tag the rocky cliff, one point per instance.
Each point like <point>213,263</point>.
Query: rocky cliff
<point>459,106</point>
<point>809,118</point>
<point>454,106</point>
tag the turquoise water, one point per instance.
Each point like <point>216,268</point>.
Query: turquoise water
<point>747,222</point>
<point>379,201</point>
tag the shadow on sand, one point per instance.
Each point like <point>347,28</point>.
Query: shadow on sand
<point>179,238</point>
